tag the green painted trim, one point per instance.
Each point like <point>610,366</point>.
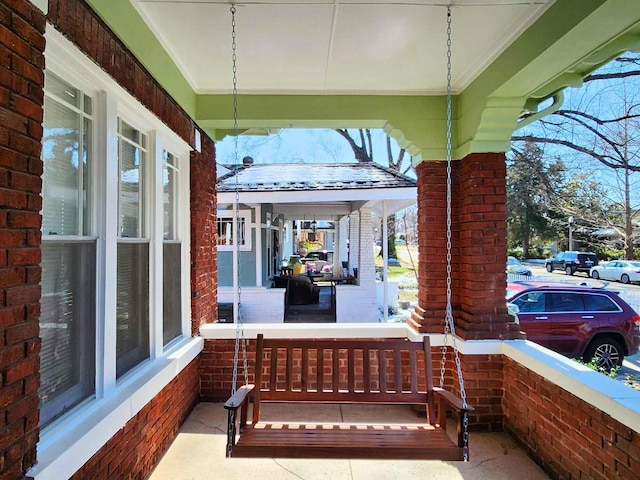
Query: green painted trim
<point>558,100</point>
<point>128,25</point>
<point>416,122</point>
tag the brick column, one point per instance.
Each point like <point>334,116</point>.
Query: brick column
<point>429,314</point>
<point>354,241</point>
<point>483,248</point>
<point>21,98</point>
<point>479,246</point>
<point>366,265</point>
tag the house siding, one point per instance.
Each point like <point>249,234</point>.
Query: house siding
<point>21,96</point>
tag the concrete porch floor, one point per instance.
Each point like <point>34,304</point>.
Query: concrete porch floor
<point>198,452</point>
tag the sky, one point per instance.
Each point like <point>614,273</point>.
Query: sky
<point>300,146</point>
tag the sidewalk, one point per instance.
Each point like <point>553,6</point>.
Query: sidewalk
<point>199,452</point>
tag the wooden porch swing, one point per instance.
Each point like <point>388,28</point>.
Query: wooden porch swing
<point>348,371</point>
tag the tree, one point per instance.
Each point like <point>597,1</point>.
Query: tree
<point>530,191</point>
<point>363,151</point>
<point>598,131</point>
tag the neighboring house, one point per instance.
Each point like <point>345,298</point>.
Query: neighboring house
<point>278,204</point>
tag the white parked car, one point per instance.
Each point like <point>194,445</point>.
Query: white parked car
<point>624,271</point>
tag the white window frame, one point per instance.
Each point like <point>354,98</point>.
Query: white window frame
<point>69,441</point>
<point>245,217</point>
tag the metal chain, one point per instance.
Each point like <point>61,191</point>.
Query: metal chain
<point>240,338</point>
<point>450,328</point>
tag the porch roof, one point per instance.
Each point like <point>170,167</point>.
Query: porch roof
<point>304,176</point>
<point>329,190</point>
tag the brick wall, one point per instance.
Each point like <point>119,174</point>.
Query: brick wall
<point>148,434</point>
<point>216,368</point>
<point>21,96</point>
<point>204,254</point>
<point>568,437</point>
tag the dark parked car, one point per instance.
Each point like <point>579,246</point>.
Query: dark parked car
<point>572,262</point>
<point>577,321</point>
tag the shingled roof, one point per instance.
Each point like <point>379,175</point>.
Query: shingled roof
<point>310,176</point>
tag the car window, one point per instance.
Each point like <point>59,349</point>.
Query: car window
<point>599,303</point>
<point>532,302</point>
<point>565,302</point>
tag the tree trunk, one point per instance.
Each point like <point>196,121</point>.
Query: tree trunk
<point>391,231</point>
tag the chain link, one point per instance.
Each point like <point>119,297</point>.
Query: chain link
<point>450,328</point>
<point>240,338</point>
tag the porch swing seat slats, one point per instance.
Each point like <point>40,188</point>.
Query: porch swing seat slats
<point>345,371</point>
<point>354,441</point>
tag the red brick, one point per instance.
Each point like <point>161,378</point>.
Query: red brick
<point>13,160</point>
<point>19,219</point>
<point>22,295</point>
<point>26,182</point>
<point>12,198</point>
<point>25,256</point>
<point>11,316</point>
<point>13,120</point>
<point>12,277</point>
<point>28,109</point>
<point>22,333</point>
<point>12,238</point>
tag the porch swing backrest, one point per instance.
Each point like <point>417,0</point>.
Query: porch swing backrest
<point>347,371</point>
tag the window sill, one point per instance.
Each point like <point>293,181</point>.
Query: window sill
<point>69,442</point>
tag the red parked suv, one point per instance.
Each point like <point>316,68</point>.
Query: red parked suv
<point>577,321</point>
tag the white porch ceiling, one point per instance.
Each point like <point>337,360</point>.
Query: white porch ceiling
<point>336,46</point>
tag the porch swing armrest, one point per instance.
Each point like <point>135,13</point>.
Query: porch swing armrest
<point>454,402</point>
<point>239,398</point>
<point>448,399</point>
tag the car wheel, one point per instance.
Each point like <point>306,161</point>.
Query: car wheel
<point>606,352</point>
<point>549,268</point>
<point>624,278</point>
<point>569,271</point>
<point>595,274</point>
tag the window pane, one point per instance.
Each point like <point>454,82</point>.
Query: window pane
<point>226,233</point>
<point>131,193</point>
<point>60,181</point>
<point>67,327</point>
<point>565,302</point>
<point>599,303</point>
<point>132,317</point>
<point>61,89</point>
<point>171,301</point>
<point>130,133</point>
<point>169,185</point>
